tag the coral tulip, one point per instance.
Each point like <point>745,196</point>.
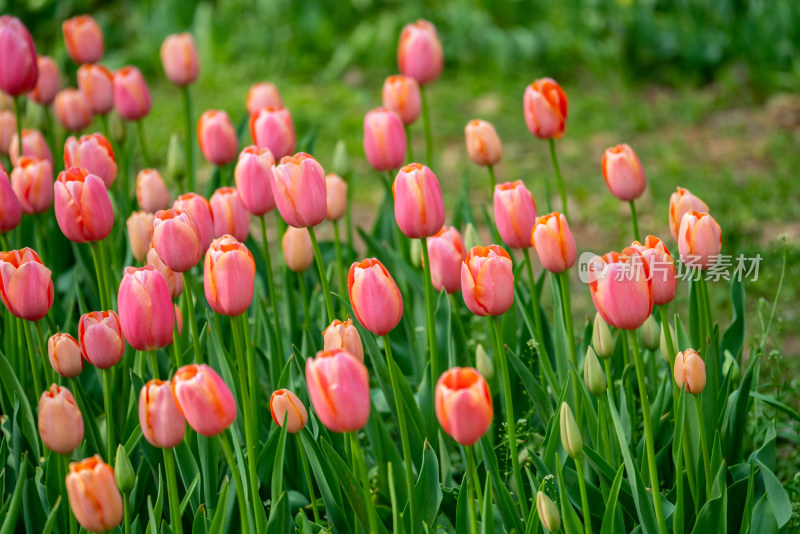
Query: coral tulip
<point>151,191</point>
<point>298,252</point>
<point>230,216</point>
<point>487,280</point>
<point>553,241</point>
<point>384,139</point>
<point>65,356</point>
<point>72,110</point>
<point>200,210</point>
<point>621,288</point>
<point>336,195</point>
<point>179,58</point>
<point>699,240</point>
<point>140,233</point>
<point>343,336</point>
<point>204,399</point>
<point>84,39</point>
<point>298,185</point>
<point>623,173</point>
<point>60,420</point>
<point>27,285</point>
<point>229,276</point>
<point>217,137</point>
<point>376,300</point>
<point>283,404</point>
<point>272,128</point>
<point>338,385</point>
<point>145,307</point>
<point>263,95</point>
<point>419,53</point>
<point>101,338</point>
<point>483,144</point>
<point>514,213</point>
<point>401,94</point>
<point>680,203</point>
<point>10,208</point>
<point>93,494</point>
<point>34,145</point>
<point>418,203</point>
<point>545,105</point>
<point>174,280</point>
<point>18,65</point>
<point>131,96</point>
<point>463,404</point>
<point>253,176</point>
<point>162,424</point>
<point>176,239</point>
<point>92,152</point>
<point>97,84</point>
<point>446,252</point>
<point>690,371</point>
<point>83,208</point>
<point>32,181</point>
<point>661,268</point>
<point>47,82</point>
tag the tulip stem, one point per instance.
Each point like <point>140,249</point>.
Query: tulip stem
<point>143,142</point>
<point>429,313</point>
<point>187,284</point>
<point>172,492</point>
<point>63,460</point>
<point>648,431</point>
<point>48,373</point>
<point>510,420</point>
<point>51,132</point>
<point>698,405</point>
<point>126,502</point>
<point>188,145</point>
<point>153,362</point>
<point>309,482</point>
<point>473,479</point>
<point>339,259</point>
<point>587,517</point>
<point>322,275</point>
<point>634,220</point>
<point>426,124</point>
<point>18,113</point>
<point>273,295</point>
<point>32,355</point>
<point>97,256</point>
<point>107,386</point>
<point>492,180</point>
<point>566,306</point>
<point>401,421</point>
<point>559,180</point>
<point>462,333</point>
<point>358,456</point>
<point>409,147</point>
<point>544,360</point>
<point>227,450</point>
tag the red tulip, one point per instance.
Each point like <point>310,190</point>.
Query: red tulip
<point>131,96</point>
<point>463,404</point>
<point>47,82</point>
<point>83,209</point>
<point>553,241</point>
<point>230,216</point>
<point>699,240</point>
<point>229,276</point>
<point>664,278</point>
<point>384,139</point>
<point>27,287</point>
<point>338,385</point>
<point>298,252</point>
<point>176,239</point>
<point>216,137</point>
<point>483,144</point>
<point>418,203</point>
<point>72,110</point>
<point>419,53</point>
<point>253,175</point>
<point>298,185</point>
<point>514,213</point>
<point>623,173</point>
<point>162,424</point>
<point>97,84</point>
<point>34,145</point>
<point>151,191</point>
<point>93,494</point>
<point>60,420</point>
<point>204,399</point>
<point>32,181</point>
<point>200,210</point>
<point>343,336</point>
<point>376,300</point>
<point>272,128</point>
<point>621,288</point>
<point>84,39</point>
<point>446,251</point>
<point>545,105</point>
<point>101,338</point>
<point>18,66</point>
<point>65,356</point>
<point>680,203</point>
<point>401,95</point>
<point>263,95</point>
<point>179,59</point>
<point>283,404</point>
<point>140,233</point>
<point>92,152</point>
<point>145,307</point>
<point>487,280</point>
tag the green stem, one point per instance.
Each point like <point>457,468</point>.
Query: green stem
<point>634,220</point>
<point>18,113</point>
<point>559,180</point>
<point>105,128</point>
<point>337,243</point>
<point>32,355</point>
<point>4,243</point>
<point>322,275</point>
<point>153,362</point>
<point>473,479</point>
<point>126,501</point>
<point>51,134</point>
<point>97,256</point>
<point>273,297</point>
<point>426,124</point>
<point>492,180</point>
<point>462,333</point>
<point>221,175</point>
<point>189,144</point>
<point>544,359</point>
<point>252,373</point>
<point>362,468</point>
<point>227,450</point>
<point>108,272</point>
<point>587,516</point>
<point>698,405</point>
<point>433,349</point>
<point>409,144</point>
<point>107,391</point>
<point>566,306</point>
<point>48,371</point>
<point>306,327</point>
<point>309,482</point>
<point>176,350</point>
<point>349,214</point>
<point>172,492</point>
<point>143,142</point>
<point>187,284</point>
<point>602,423</point>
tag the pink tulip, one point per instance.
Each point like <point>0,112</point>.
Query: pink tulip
<point>94,497</point>
<point>84,39</point>
<point>145,307</point>
<point>545,105</point>
<point>92,152</point>
<point>418,203</point>
<point>343,336</point>
<point>690,371</point>
<point>8,127</point>
<point>253,176</point>
<point>32,181</point>
<point>179,59</point>
<point>298,252</point>
<point>140,233</point>
<point>101,338</point>
<point>621,289</point>
<point>174,280</point>
<point>204,399</point>
<point>699,240</point>
<point>553,241</point>
<point>376,300</point>
<point>176,239</point>
<point>514,213</point>
<point>47,82</point>
<point>419,53</point>
<point>298,185</point>
<point>200,210</point>
<point>97,84</point>
<point>10,209</point>
<point>401,95</point>
<point>263,95</point>
<point>65,356</point>
<point>83,208</point>
<point>623,173</point>
<point>463,404</point>
<point>60,420</point>
<point>27,287</point>
<point>131,96</point>
<point>162,424</point>
<point>284,405</point>
<point>483,144</point>
<point>151,191</point>
<point>336,196</point>
<point>272,128</point>
<point>72,110</point>
<point>229,276</point>
<point>384,139</point>
<point>230,216</point>
<point>338,385</point>
<point>661,268</point>
<point>216,137</point>
<point>680,203</point>
<point>34,145</point>
<point>18,66</point>
<point>446,251</point>
<point>487,280</point>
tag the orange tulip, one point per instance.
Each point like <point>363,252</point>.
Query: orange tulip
<point>283,404</point>
<point>680,203</point>
<point>690,371</point>
<point>545,105</point>
<point>463,404</point>
<point>60,420</point>
<point>93,494</point>
<point>84,39</point>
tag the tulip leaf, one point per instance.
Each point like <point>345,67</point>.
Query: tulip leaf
<point>711,516</point>
<point>487,525</point>
<point>189,473</point>
<point>221,514</point>
<point>350,485</point>
<point>51,517</point>
<point>189,493</point>
<point>764,520</point>
<point>324,480</point>
<point>569,518</point>
<point>776,494</point>
<point>278,515</point>
<point>505,501</point>
<point>10,523</point>
<point>611,504</point>
<point>538,396</point>
<point>735,418</point>
<point>428,489</point>
<point>462,507</point>
<point>11,384</point>
<point>733,338</point>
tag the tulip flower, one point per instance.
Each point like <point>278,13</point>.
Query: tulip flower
<point>376,300</point>
<point>203,399</point>
<point>34,145</point>
<point>545,105</point>
<point>621,288</point>
<point>93,494</point>
<point>384,139</point>
<point>690,371</point>
<point>272,128</point>
<point>283,404</point>
<point>661,268</point>
<point>343,336</point>
<point>229,276</point>
<point>200,210</point>
<point>263,95</point>
<point>553,241</point>
<point>298,252</point>
<point>32,181</point>
<point>463,404</point>
<point>101,338</point>
<point>336,195</point>
<point>84,39</point>
<point>72,110</point>
<point>18,65</point>
<point>83,208</point>
<point>483,144</point>
<point>8,128</point>
<point>10,209</point>
<point>65,356</point>
<point>47,82</point>
<point>298,185</point>
<point>487,280</point>
<point>27,287</point>
<point>418,203</point>
<point>217,137</point>
<point>131,96</point>
<point>401,94</point>
<point>680,203</point>
<point>145,307</point>
<point>97,84</point>
<point>176,239</point>
<point>92,152</point>
<point>140,233</point>
<point>253,176</point>
<point>151,191</point>
<point>162,424</point>
<point>699,240</point>
<point>174,280</point>
<point>338,385</point>
<point>514,213</point>
<point>60,420</point>
<point>179,59</point>
<point>447,253</point>
<point>623,173</point>
<point>419,54</point>
<point>230,216</point>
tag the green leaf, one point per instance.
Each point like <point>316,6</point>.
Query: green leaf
<point>611,504</point>
<point>733,338</point>
<point>51,517</point>
<point>349,483</point>
<point>505,501</point>
<point>324,480</point>
<point>569,517</point>
<point>278,514</point>
<point>276,486</point>
<point>764,521</point>
<point>10,523</point>
<point>462,511</point>
<point>710,517</point>
<point>189,493</point>
<point>189,473</point>
<point>221,515</point>
<point>532,386</point>
<point>487,525</point>
<point>428,489</point>
<point>11,383</point>
<point>736,413</point>
<point>775,403</point>
<point>778,500</point>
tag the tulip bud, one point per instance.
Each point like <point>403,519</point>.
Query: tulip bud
<point>553,241</point>
<point>60,420</point>
<point>514,213</point>
<point>484,362</point>
<point>418,203</point>
<point>343,336</point>
<point>401,95</point>
<point>272,128</point>
<point>10,209</point>
<point>124,475</point>
<point>690,371</point>
<point>446,252</point>
<point>253,175</point>
<point>680,203</point>
<point>229,276</point>
<point>203,399</point>
<point>650,333</point>
<point>32,181</point>
<point>176,160</point>
<point>621,289</point>
<point>162,424</point>
<point>101,338</point>
<point>176,239</point>
<point>338,386</point>
<point>174,280</point>
<point>284,405</point>
<point>298,252</point>
<point>230,217</point>
<point>487,280</point>
<point>662,345</point>
<point>72,110</point>
<point>26,286</point>
<point>661,268</point>
<point>65,355</point>
<point>91,152</point>
<point>341,160</point>
<point>548,513</point>
<point>263,95</point>
<point>93,495</point>
<point>84,39</point>
<point>602,340</point>
<point>200,210</point>
<point>298,185</point>
<point>699,240</point>
<point>415,253</point>
<point>545,105</point>
<point>376,300</point>
<point>47,82</point>
<point>179,59</point>
<point>593,375</point>
<point>623,173</point>
<point>483,144</point>
<point>384,139</point>
<point>217,137</point>
<point>419,53</point>
<point>336,196</point>
<point>463,404</point>
<point>97,84</point>
<point>140,233</point>
<point>147,316</point>
<point>18,66</point>
<point>131,96</point>
<point>151,191</point>
<point>571,438</point>
<point>471,237</point>
<point>8,127</point>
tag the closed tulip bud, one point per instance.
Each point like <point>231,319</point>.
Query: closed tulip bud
<point>620,288</point>
<point>376,300</point>
<point>18,66</point>
<point>699,240</point>
<point>548,513</point>
<point>553,241</point>
<point>623,173</point>
<point>229,276</point>
<point>176,161</point>
<point>415,254</point>
<point>343,336</point>
<point>341,160</point>
<point>84,39</point>
<point>298,185</point>
<point>284,405</point>
<point>571,438</point>
<point>401,95</point>
<point>484,362</point>
<point>298,252</point>
<point>151,191</point>
<point>131,96</point>
<point>338,385</point>
<point>124,474</point>
<point>662,343</point>
<point>32,181</point>
<point>8,127</point>
<point>83,208</point>
<point>10,209</point>
<point>483,144</point>
<point>272,128</point>
<point>140,233</point>
<point>263,95</point>
<point>162,424</point>
<point>97,84</point>
<point>72,110</point>
<point>27,285</point>
<point>65,355</point>
<point>650,333</point>
<point>680,203</point>
<point>447,253</point>
<point>545,105</point>
<point>419,53</point>
<point>101,338</point>
<point>418,203</point>
<point>93,494</point>
<point>146,313</point>
<point>336,196</point>
<point>593,375</point>
<point>253,176</point>
<point>463,404</point>
<point>60,420</point>
<point>34,145</point>
<point>514,213</point>
<point>661,266</point>
<point>204,399</point>
<point>200,210</point>
<point>602,340</point>
<point>91,152</point>
<point>471,237</point>
<point>384,139</point>
<point>176,239</point>
<point>174,280</point>
<point>216,137</point>
<point>487,280</point>
<point>47,81</point>
<point>690,371</point>
<point>179,59</point>
<point>230,216</point>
